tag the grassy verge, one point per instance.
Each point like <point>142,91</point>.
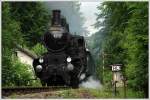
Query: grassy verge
<point>108,93</point>
<point>84,93</point>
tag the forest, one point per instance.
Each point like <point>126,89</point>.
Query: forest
<point>122,38</point>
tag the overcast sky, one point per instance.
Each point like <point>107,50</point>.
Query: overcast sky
<point>89,9</point>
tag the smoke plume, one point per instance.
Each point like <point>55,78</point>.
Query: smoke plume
<point>91,83</point>
<point>71,11</point>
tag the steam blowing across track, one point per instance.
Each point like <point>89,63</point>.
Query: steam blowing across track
<point>6,91</point>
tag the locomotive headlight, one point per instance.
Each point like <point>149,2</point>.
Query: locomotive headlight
<point>41,60</point>
<point>69,59</point>
<point>70,66</point>
<point>38,68</point>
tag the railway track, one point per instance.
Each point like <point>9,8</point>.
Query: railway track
<point>6,91</point>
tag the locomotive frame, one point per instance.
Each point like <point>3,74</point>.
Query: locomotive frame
<point>65,63</point>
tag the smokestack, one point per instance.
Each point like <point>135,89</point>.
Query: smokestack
<point>56,20</point>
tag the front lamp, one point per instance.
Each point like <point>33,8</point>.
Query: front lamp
<point>41,60</point>
<point>38,68</point>
<point>69,59</point>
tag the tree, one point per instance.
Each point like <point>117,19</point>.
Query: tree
<point>136,44</point>
<point>21,25</point>
<point>33,19</point>
<point>10,34</point>
<point>125,37</point>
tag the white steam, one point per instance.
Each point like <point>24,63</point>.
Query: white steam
<point>82,76</point>
<point>71,11</point>
<point>91,83</point>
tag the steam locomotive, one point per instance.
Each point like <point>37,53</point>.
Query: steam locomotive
<point>66,61</point>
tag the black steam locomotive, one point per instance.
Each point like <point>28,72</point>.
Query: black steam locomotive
<point>65,63</point>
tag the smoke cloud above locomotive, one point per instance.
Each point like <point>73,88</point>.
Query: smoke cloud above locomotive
<point>71,11</point>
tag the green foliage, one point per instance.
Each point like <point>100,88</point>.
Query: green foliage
<point>39,49</point>
<point>124,37</point>
<point>136,44</point>
<point>17,74</point>
<point>10,35</point>
<point>23,23</point>
<point>107,93</point>
<point>33,18</point>
<point>22,74</point>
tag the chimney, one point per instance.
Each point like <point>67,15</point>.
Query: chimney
<point>56,19</point>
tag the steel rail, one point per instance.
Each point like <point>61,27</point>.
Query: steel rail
<point>7,91</point>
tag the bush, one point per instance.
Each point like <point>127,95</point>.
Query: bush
<point>39,49</point>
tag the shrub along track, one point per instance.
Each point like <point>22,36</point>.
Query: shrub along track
<point>7,91</point>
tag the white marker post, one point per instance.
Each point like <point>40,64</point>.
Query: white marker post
<point>115,69</point>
